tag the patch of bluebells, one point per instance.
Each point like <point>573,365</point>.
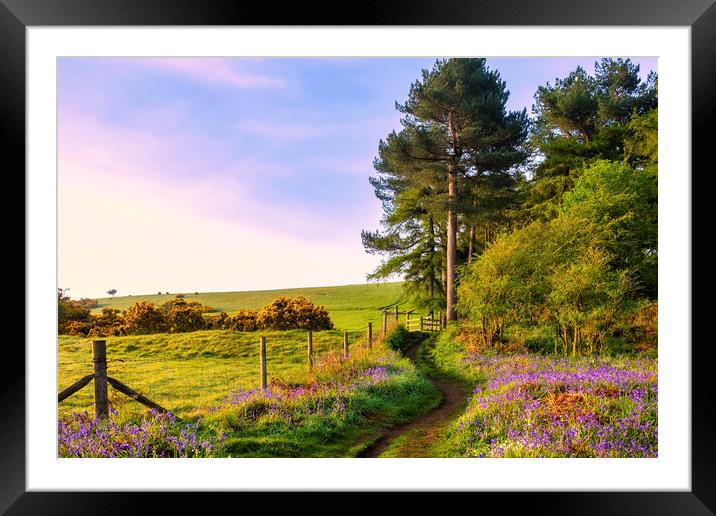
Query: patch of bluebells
<point>157,435</point>
<point>537,406</point>
<point>293,404</point>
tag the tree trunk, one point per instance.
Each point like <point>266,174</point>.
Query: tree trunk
<point>472,243</point>
<point>451,226</point>
<point>431,281</point>
<point>574,341</point>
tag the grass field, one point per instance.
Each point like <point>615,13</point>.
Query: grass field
<point>189,372</point>
<point>211,378</point>
<point>351,307</point>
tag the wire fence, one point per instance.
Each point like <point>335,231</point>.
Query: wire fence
<point>188,383</point>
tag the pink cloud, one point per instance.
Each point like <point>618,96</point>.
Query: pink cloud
<point>213,70</point>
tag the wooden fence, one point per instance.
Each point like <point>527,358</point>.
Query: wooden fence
<point>427,324</point>
<point>102,380</point>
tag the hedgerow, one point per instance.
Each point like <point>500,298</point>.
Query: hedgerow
<point>180,316</point>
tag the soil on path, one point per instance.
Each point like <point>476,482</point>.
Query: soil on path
<point>420,433</point>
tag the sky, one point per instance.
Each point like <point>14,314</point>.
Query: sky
<point>223,174</point>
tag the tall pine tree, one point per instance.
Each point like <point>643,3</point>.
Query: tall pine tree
<point>457,138</point>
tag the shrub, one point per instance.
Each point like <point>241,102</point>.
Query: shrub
<point>68,310</point>
<point>217,322</point>
<point>187,317</point>
<point>184,317</point>
<point>179,296</point>
<point>397,339</point>
<point>243,320</point>
<point>536,339</point>
<point>638,331</point>
<point>76,328</point>
<point>144,317</point>
<point>285,313</point>
<point>88,303</point>
<point>646,325</point>
<point>108,323</point>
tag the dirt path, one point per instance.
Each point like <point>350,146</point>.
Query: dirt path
<point>419,434</point>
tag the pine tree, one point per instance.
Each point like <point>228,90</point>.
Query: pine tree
<point>581,119</point>
<point>457,137</point>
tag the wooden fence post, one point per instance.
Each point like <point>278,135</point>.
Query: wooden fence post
<point>385,322</point>
<point>345,344</point>
<point>370,335</point>
<point>99,361</point>
<point>407,320</point>
<point>396,313</point>
<point>262,354</point>
<point>421,323</point>
<point>310,349</point>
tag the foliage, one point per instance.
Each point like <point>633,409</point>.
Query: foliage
<point>622,202</point>
<point>179,316</point>
<point>449,354</point>
<point>144,317</point>
<point>580,273</point>
<point>243,320</point>
<point>285,313</point>
<point>584,118</point>
<point>75,328</point>
<point>109,322</point>
<point>183,317</point>
<point>69,310</point>
<point>397,338</point>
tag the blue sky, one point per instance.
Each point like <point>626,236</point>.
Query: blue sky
<point>230,174</point>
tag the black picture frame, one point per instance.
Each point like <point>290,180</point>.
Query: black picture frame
<point>699,15</point>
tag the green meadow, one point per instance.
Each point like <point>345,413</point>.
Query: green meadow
<point>187,373</point>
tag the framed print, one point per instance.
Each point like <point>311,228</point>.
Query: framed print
<point>208,190</point>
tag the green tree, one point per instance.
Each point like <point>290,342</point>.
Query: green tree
<point>413,239</point>
<point>583,118</point>
<point>623,202</point>
<point>582,272</point>
<point>69,310</point>
<point>456,135</point>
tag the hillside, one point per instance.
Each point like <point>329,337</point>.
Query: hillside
<point>350,306</point>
